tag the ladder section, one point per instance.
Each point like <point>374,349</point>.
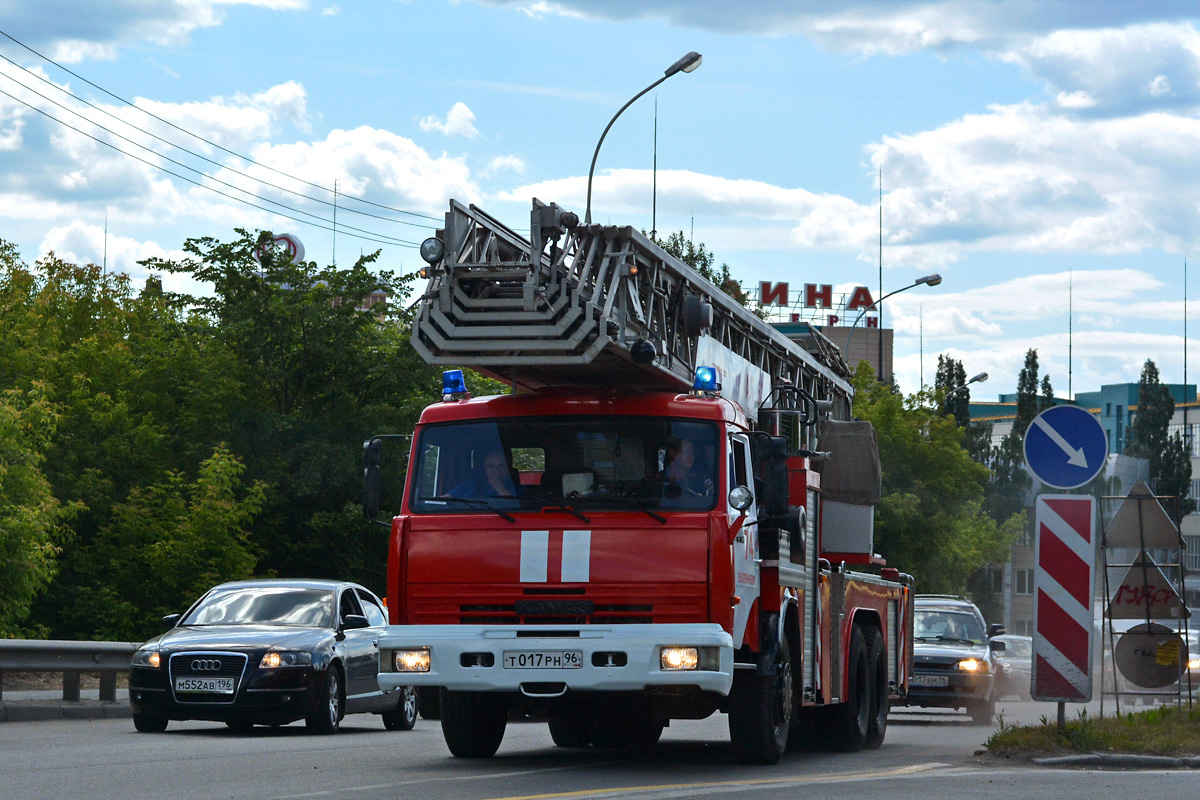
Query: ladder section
<point>596,305</point>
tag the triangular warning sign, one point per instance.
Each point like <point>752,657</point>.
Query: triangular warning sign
<point>1150,528</point>
<point>1145,591</point>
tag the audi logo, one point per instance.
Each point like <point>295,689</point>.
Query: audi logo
<point>206,665</point>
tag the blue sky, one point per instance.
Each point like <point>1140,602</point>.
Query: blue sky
<point>1025,146</point>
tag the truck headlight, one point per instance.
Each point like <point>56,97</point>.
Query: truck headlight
<point>284,658</point>
<point>411,660</point>
<point>674,659</point>
<point>147,658</point>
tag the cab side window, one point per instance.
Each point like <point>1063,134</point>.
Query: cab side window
<point>374,613</point>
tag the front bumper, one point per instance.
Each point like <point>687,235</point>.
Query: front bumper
<point>962,689</point>
<point>450,646</point>
<point>265,696</point>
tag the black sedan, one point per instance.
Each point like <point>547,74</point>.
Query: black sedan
<point>268,652</point>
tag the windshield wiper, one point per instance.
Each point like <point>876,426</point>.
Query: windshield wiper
<point>472,502</point>
<point>620,501</point>
<point>548,505</point>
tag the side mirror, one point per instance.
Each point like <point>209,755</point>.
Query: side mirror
<point>169,621</point>
<point>997,647</point>
<point>996,629</point>
<point>352,622</point>
<point>740,499</point>
<point>372,477</point>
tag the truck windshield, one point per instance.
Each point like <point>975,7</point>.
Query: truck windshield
<point>526,463</point>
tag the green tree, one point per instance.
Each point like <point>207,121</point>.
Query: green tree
<point>950,385</point>
<point>1147,437</point>
<point>169,543</point>
<point>931,520</point>
<point>697,256</point>
<point>32,519</point>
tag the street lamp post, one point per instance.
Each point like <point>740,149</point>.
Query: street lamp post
<point>685,64</point>
<point>980,378</point>
<point>927,280</point>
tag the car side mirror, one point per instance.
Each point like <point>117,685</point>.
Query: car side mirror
<point>169,621</point>
<point>996,629</point>
<point>354,621</point>
<point>997,647</point>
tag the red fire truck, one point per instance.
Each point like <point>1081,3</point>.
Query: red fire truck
<point>658,521</point>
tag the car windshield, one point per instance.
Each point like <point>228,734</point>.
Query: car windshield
<point>948,626</point>
<point>1018,648</point>
<point>265,605</point>
<point>595,462</point>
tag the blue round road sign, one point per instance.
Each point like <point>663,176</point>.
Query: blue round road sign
<point>1065,447</point>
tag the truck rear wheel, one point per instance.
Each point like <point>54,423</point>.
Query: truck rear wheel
<point>880,704</point>
<point>569,731</point>
<point>473,723</point>
<point>760,711</point>
<point>852,717</point>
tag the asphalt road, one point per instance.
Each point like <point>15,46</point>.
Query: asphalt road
<point>927,756</point>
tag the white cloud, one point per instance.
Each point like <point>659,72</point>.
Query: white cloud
<point>1161,85</point>
<point>71,31</point>
<point>460,121</point>
<point>1076,100</point>
<point>331,11</point>
<point>508,163</point>
<point>81,243</point>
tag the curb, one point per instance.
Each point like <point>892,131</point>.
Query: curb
<point>41,712</point>
<point>1122,760</point>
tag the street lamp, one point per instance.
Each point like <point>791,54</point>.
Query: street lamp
<point>685,64</point>
<point>927,280</point>
<point>980,378</point>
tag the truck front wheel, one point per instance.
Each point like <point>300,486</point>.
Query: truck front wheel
<point>880,704</point>
<point>760,711</point>
<point>852,717</point>
<point>473,723</point>
<point>569,731</point>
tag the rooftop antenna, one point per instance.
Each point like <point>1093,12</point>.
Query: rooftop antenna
<point>654,182</point>
<point>879,306</point>
<point>921,350</point>
<point>1187,431</point>
<point>335,222</point>
<point>1070,330</point>
<point>104,271</point>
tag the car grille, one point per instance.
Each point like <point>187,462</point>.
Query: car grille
<point>200,665</point>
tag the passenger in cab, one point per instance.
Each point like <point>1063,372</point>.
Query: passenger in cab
<point>491,479</point>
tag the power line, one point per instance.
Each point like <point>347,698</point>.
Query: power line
<point>169,143</point>
<point>190,168</point>
<point>189,180</point>
<point>222,148</point>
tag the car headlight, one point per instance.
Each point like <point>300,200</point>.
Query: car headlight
<point>1194,663</point>
<point>147,658</point>
<point>285,658</point>
<point>973,665</point>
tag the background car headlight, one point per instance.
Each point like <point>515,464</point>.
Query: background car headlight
<point>147,658</point>
<point>973,665</point>
<point>285,658</point>
<point>1194,663</point>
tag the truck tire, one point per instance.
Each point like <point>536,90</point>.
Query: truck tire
<point>569,731</point>
<point>624,732</point>
<point>880,704</point>
<point>473,723</point>
<point>852,717</point>
<point>761,708</point>
<point>809,731</point>
<point>429,702</point>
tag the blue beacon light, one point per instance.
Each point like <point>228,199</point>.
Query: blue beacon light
<point>453,383</point>
<point>706,380</point>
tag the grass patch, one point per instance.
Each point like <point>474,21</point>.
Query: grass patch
<point>1166,731</point>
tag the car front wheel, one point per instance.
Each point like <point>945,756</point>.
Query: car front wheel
<point>144,723</point>
<point>328,714</point>
<point>404,716</point>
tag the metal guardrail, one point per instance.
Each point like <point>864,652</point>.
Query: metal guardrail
<point>71,659</point>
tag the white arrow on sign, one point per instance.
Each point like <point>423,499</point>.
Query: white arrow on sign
<point>1074,457</point>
